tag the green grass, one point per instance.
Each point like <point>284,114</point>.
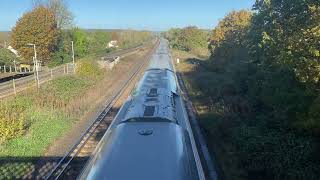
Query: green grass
<point>46,126</point>
<point>44,116</point>
<point>66,88</point>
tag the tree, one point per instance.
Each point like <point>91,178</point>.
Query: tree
<point>7,57</point>
<point>63,16</point>
<point>287,33</point>
<point>80,40</point>
<point>188,39</point>
<point>228,39</point>
<point>38,27</point>
<point>130,38</point>
<point>98,40</point>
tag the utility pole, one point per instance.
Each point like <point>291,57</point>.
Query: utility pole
<point>36,64</point>
<point>74,66</point>
<point>15,65</point>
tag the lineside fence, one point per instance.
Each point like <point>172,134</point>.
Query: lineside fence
<point>45,74</point>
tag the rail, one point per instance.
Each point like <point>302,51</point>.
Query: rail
<point>60,168</point>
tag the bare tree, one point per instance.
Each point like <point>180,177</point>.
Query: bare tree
<point>63,15</point>
<point>36,3</point>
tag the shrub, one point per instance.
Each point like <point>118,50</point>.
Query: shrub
<point>88,69</point>
<point>58,92</point>
<point>59,58</point>
<point>13,120</point>
<point>7,57</point>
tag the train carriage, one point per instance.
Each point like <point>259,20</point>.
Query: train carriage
<point>150,138</point>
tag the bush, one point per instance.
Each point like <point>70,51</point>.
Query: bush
<point>59,91</point>
<point>13,120</point>
<point>89,69</point>
<point>60,58</point>
<point>7,57</point>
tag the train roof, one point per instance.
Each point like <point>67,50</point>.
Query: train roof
<point>153,98</point>
<point>154,151</point>
<point>161,58</point>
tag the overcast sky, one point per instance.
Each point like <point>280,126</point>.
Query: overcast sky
<point>135,14</point>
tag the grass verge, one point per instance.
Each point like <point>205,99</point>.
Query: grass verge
<point>34,119</point>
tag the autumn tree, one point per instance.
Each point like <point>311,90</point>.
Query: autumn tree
<point>271,60</point>
<point>287,33</point>
<point>63,16</point>
<point>37,27</point>
<point>228,39</point>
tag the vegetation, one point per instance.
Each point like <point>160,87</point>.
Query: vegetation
<point>63,16</point>
<point>7,57</point>
<point>98,40</point>
<point>38,27</point>
<point>257,95</point>
<point>49,25</point>
<point>4,37</point>
<point>35,113</point>
<point>131,38</point>
<point>190,39</point>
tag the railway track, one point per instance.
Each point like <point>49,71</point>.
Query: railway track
<point>70,165</point>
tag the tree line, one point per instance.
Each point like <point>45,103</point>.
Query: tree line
<point>265,68</point>
<point>190,39</point>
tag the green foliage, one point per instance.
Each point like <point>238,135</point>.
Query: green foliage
<point>13,120</point>
<point>7,57</point>
<point>80,41</point>
<point>38,27</point>
<point>59,58</point>
<point>46,126</point>
<point>130,38</point>
<point>189,39</point>
<point>98,41</point>
<point>228,39</point>
<point>88,69</point>
<point>262,89</point>
<point>62,89</point>
<point>287,33</point>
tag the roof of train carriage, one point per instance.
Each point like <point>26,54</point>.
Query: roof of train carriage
<point>161,58</point>
<point>153,98</point>
<point>143,151</point>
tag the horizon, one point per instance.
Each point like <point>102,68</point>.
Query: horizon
<point>157,16</point>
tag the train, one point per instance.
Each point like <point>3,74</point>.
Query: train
<point>150,137</point>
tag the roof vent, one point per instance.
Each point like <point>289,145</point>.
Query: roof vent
<point>149,111</point>
<point>153,92</point>
<point>151,100</point>
<point>145,132</point>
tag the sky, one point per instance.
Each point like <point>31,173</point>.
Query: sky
<point>155,15</point>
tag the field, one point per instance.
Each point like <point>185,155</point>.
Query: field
<point>4,36</point>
